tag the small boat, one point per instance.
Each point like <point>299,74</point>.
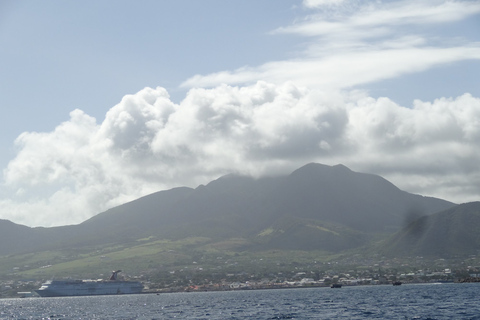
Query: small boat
<point>397,283</point>
<point>336,285</point>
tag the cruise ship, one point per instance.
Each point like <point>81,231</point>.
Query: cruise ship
<point>63,288</point>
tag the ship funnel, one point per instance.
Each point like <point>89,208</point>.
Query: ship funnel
<point>114,274</point>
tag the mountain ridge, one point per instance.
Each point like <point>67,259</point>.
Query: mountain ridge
<point>316,198</point>
<point>447,233</point>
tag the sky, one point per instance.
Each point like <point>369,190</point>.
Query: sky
<point>103,102</point>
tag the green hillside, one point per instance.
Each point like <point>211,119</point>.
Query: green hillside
<point>453,232</point>
<point>231,225</point>
<point>157,260</point>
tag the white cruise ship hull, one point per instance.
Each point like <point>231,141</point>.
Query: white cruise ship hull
<point>60,288</point>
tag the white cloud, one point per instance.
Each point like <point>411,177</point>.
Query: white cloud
<point>303,110</point>
<point>431,149</point>
<point>365,15</point>
<point>344,70</point>
<point>362,43</point>
<point>81,167</point>
<point>321,3</point>
<point>147,143</point>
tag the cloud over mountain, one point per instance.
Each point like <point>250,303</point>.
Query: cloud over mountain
<point>306,105</point>
<point>147,143</point>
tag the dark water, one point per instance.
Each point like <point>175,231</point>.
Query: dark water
<point>442,301</point>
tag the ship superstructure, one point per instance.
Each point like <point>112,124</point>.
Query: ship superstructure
<point>60,288</point>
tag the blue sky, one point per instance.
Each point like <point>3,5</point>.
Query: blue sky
<point>62,55</point>
<point>106,101</point>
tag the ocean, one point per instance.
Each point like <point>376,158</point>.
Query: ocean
<point>408,301</point>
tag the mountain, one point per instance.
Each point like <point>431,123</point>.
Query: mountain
<point>317,206</point>
<point>363,202</point>
<point>15,237</point>
<point>452,232</point>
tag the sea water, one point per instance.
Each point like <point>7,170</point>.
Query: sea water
<point>426,301</point>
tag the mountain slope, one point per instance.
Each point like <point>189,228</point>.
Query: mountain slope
<point>291,233</point>
<point>15,237</point>
<point>455,231</point>
<point>361,201</point>
<point>315,199</point>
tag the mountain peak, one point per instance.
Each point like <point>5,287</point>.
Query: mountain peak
<point>317,196</point>
<point>341,167</point>
<point>316,169</point>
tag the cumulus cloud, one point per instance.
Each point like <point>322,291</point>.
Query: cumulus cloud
<point>360,42</point>
<point>302,110</point>
<point>148,143</point>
